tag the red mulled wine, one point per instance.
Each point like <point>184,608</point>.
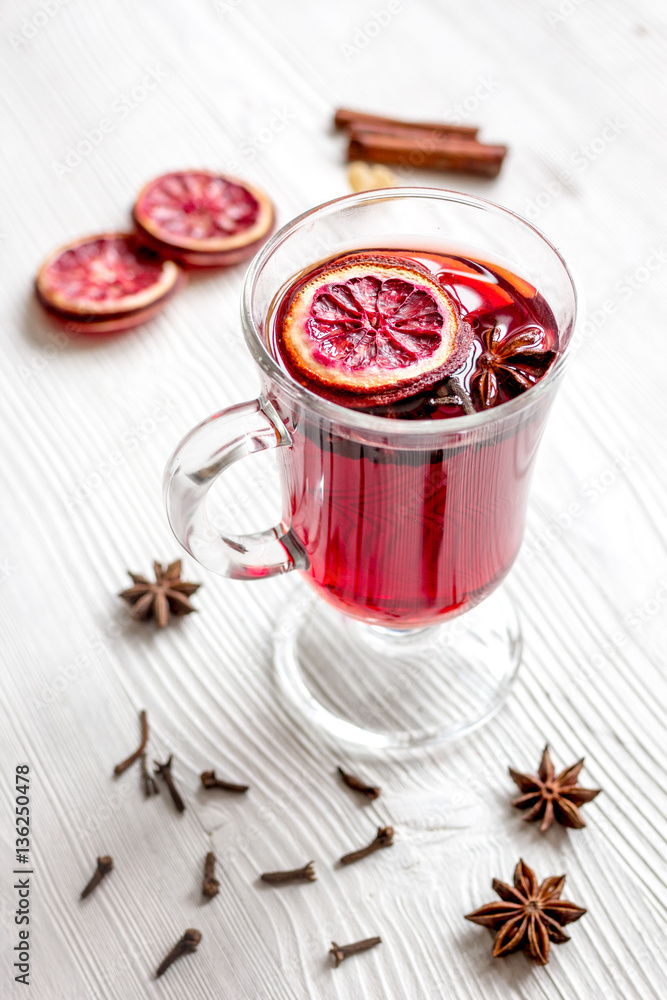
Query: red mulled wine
<point>396,536</point>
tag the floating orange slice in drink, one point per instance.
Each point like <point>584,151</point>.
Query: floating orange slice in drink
<point>374,328</point>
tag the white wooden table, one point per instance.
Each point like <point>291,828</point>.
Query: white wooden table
<point>578,92</point>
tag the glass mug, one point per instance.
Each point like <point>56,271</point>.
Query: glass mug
<point>403,528</point>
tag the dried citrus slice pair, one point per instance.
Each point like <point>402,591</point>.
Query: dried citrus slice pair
<point>191,219</point>
<point>369,329</point>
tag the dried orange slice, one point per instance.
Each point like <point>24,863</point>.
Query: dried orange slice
<point>374,327</point>
<point>203,219</point>
<point>105,283</point>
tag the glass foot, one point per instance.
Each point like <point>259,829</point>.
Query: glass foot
<point>381,689</point>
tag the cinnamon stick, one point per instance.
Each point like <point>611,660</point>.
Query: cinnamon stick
<point>426,152</point>
<point>410,133</point>
<point>345,118</point>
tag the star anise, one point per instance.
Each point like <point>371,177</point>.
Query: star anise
<point>530,916</point>
<point>169,595</point>
<point>550,797</point>
<point>508,365</point>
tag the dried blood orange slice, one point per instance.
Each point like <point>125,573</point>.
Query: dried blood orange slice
<point>203,219</point>
<point>106,283</point>
<point>373,327</point>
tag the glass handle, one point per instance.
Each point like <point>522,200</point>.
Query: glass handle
<point>200,458</point>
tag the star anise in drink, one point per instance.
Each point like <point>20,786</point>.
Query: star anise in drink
<point>169,595</point>
<point>548,796</point>
<point>508,365</point>
<point>529,915</point>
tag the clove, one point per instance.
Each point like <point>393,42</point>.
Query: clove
<point>453,392</point>
<point>370,791</point>
<point>384,838</point>
<point>341,951</point>
<point>210,885</point>
<point>124,764</point>
<point>164,770</point>
<point>104,866</point>
<point>209,780</point>
<point>306,874</point>
<point>186,946</point>
<point>151,786</point>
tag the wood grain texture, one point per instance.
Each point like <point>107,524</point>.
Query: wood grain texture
<point>579,98</point>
